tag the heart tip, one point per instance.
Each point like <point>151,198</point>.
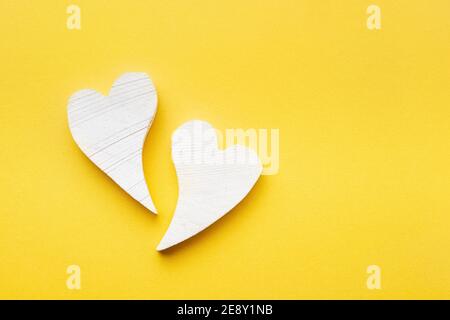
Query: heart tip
<point>163,245</point>
<point>149,205</point>
<point>160,248</point>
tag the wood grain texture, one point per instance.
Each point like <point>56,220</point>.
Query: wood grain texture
<point>111,130</point>
<point>210,181</point>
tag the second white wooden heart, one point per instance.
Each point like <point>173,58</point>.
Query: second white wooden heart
<point>210,181</point>
<point>111,130</point>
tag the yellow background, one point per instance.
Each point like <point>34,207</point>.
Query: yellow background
<point>364,148</point>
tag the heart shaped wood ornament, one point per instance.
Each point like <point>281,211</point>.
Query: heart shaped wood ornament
<point>210,181</point>
<point>111,130</point>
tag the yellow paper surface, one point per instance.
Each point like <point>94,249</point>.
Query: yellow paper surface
<point>364,176</point>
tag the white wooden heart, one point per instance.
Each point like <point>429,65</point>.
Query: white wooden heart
<point>111,130</point>
<point>210,181</point>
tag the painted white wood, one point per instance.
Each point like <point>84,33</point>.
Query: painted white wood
<point>210,181</point>
<point>111,130</point>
